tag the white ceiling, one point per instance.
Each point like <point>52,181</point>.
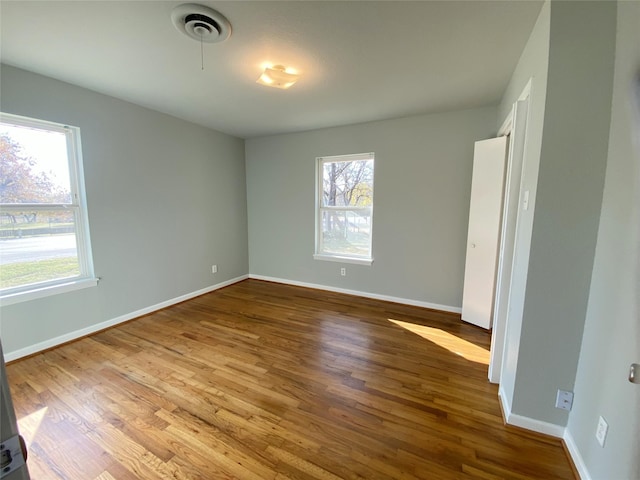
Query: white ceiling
<point>360,60</point>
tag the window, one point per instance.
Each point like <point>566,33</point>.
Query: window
<point>44,235</point>
<point>344,210</point>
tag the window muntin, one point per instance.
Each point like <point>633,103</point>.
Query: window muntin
<point>344,216</point>
<point>44,236</point>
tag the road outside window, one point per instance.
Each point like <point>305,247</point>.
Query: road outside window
<point>44,238</point>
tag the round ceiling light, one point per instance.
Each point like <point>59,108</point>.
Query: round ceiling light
<point>201,23</point>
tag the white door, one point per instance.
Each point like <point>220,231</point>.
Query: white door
<point>485,212</point>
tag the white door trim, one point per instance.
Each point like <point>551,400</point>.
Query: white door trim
<point>514,125</point>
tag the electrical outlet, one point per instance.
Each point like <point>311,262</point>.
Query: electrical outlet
<point>564,400</point>
<point>214,268</point>
<point>343,272</point>
<point>12,456</point>
<point>601,431</point>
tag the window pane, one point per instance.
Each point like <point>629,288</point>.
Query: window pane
<point>37,247</point>
<point>346,232</point>
<point>347,183</point>
<point>34,166</point>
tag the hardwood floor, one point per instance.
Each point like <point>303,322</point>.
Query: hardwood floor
<point>260,380</point>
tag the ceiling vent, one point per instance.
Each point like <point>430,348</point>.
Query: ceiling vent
<point>201,23</point>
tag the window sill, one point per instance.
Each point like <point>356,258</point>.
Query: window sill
<point>339,259</point>
<point>47,291</point>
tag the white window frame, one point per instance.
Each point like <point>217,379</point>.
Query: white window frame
<point>332,257</point>
<point>78,205</point>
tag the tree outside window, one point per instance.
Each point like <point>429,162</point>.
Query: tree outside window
<point>345,207</point>
<point>43,228</point>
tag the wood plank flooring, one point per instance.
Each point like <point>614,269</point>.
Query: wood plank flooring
<point>267,381</point>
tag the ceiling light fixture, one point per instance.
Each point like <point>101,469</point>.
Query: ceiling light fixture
<point>277,77</point>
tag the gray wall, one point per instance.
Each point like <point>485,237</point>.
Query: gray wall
<point>421,204</point>
<point>166,200</point>
<point>612,329</point>
<point>533,65</point>
<point>569,196</point>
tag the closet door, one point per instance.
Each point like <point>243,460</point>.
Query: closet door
<point>485,211</point>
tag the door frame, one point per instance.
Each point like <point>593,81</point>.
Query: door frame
<point>517,130</point>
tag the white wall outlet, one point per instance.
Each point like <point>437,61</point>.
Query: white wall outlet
<point>564,400</point>
<point>214,268</point>
<point>343,272</point>
<point>601,431</point>
<point>11,454</point>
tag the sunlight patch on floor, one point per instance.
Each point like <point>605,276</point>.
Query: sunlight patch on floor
<point>446,340</point>
<point>29,425</point>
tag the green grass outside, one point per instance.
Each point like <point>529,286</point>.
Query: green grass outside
<point>27,273</point>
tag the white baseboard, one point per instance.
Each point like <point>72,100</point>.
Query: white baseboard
<point>504,403</point>
<point>548,429</point>
<point>574,452</point>
<point>526,422</point>
<point>67,337</point>
<point>375,296</point>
